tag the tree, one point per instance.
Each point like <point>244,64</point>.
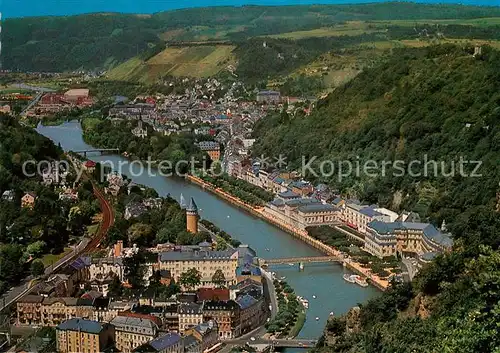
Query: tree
<point>218,278</point>
<point>135,269</point>
<point>35,249</point>
<point>190,279</point>
<point>115,288</point>
<point>37,268</point>
<point>140,233</point>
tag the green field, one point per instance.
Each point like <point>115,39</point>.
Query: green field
<point>51,259</point>
<point>350,28</point>
<point>354,28</point>
<point>193,61</point>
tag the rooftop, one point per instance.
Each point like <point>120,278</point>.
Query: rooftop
<point>317,208</point>
<point>289,194</point>
<point>190,308</point>
<point>427,229</point>
<point>81,325</point>
<point>246,301</point>
<point>198,255</point>
<point>220,305</point>
<point>131,323</point>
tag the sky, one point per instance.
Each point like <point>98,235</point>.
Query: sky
<point>22,8</point>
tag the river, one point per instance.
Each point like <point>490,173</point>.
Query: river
<point>324,281</point>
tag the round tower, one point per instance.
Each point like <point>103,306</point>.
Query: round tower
<point>192,217</point>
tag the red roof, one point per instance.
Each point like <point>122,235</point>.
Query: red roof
<point>213,294</point>
<point>52,98</point>
<point>89,164</point>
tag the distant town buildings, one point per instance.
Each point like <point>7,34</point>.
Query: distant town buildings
<point>268,97</point>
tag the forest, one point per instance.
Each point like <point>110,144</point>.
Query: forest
<point>100,41</point>
<point>28,234</point>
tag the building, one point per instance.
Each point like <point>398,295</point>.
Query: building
<point>252,312</point>
<point>134,210</point>
<point>302,188</point>
<point>357,216</point>
<point>9,195</point>
<point>205,261</point>
<point>192,217</point>
<point>36,310</point>
<point>103,267</point>
<point>5,109</point>
<point>28,310</point>
<point>56,310</point>
<point>191,344</point>
<point>268,97</point>
<point>139,131</point>
<point>421,239</point>
<point>203,294</point>
<point>227,316</point>
<point>212,148</point>
<point>28,200</point>
<point>207,333</point>
<point>78,96</point>
<point>300,213</point>
<point>80,335</point>
<point>132,332</point>
<point>190,315</point>
<point>167,343</point>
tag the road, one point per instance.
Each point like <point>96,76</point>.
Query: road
<point>32,103</point>
<point>85,246</point>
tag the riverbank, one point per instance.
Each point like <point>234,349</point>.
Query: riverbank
<point>298,233</point>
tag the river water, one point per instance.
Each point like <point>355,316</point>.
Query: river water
<point>324,281</point>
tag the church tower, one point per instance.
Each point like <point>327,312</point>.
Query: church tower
<point>192,217</point>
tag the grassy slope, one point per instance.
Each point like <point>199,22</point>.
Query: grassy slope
<point>195,61</point>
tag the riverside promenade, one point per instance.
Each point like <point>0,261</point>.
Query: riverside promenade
<point>297,233</point>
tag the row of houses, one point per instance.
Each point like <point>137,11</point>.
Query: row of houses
<point>135,325</point>
<point>131,334</point>
<point>386,233</point>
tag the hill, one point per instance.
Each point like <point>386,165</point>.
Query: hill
<point>104,40</point>
<point>439,103</point>
<point>194,61</point>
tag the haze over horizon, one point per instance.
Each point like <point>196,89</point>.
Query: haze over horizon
<point>28,8</point>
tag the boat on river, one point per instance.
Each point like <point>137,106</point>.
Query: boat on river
<point>355,279</point>
<point>304,302</point>
<point>349,278</point>
<point>361,281</point>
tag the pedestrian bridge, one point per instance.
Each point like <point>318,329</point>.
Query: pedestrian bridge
<point>303,260</point>
<point>98,150</point>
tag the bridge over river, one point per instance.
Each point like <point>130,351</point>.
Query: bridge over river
<point>101,151</point>
<point>276,343</point>
<point>300,260</point>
